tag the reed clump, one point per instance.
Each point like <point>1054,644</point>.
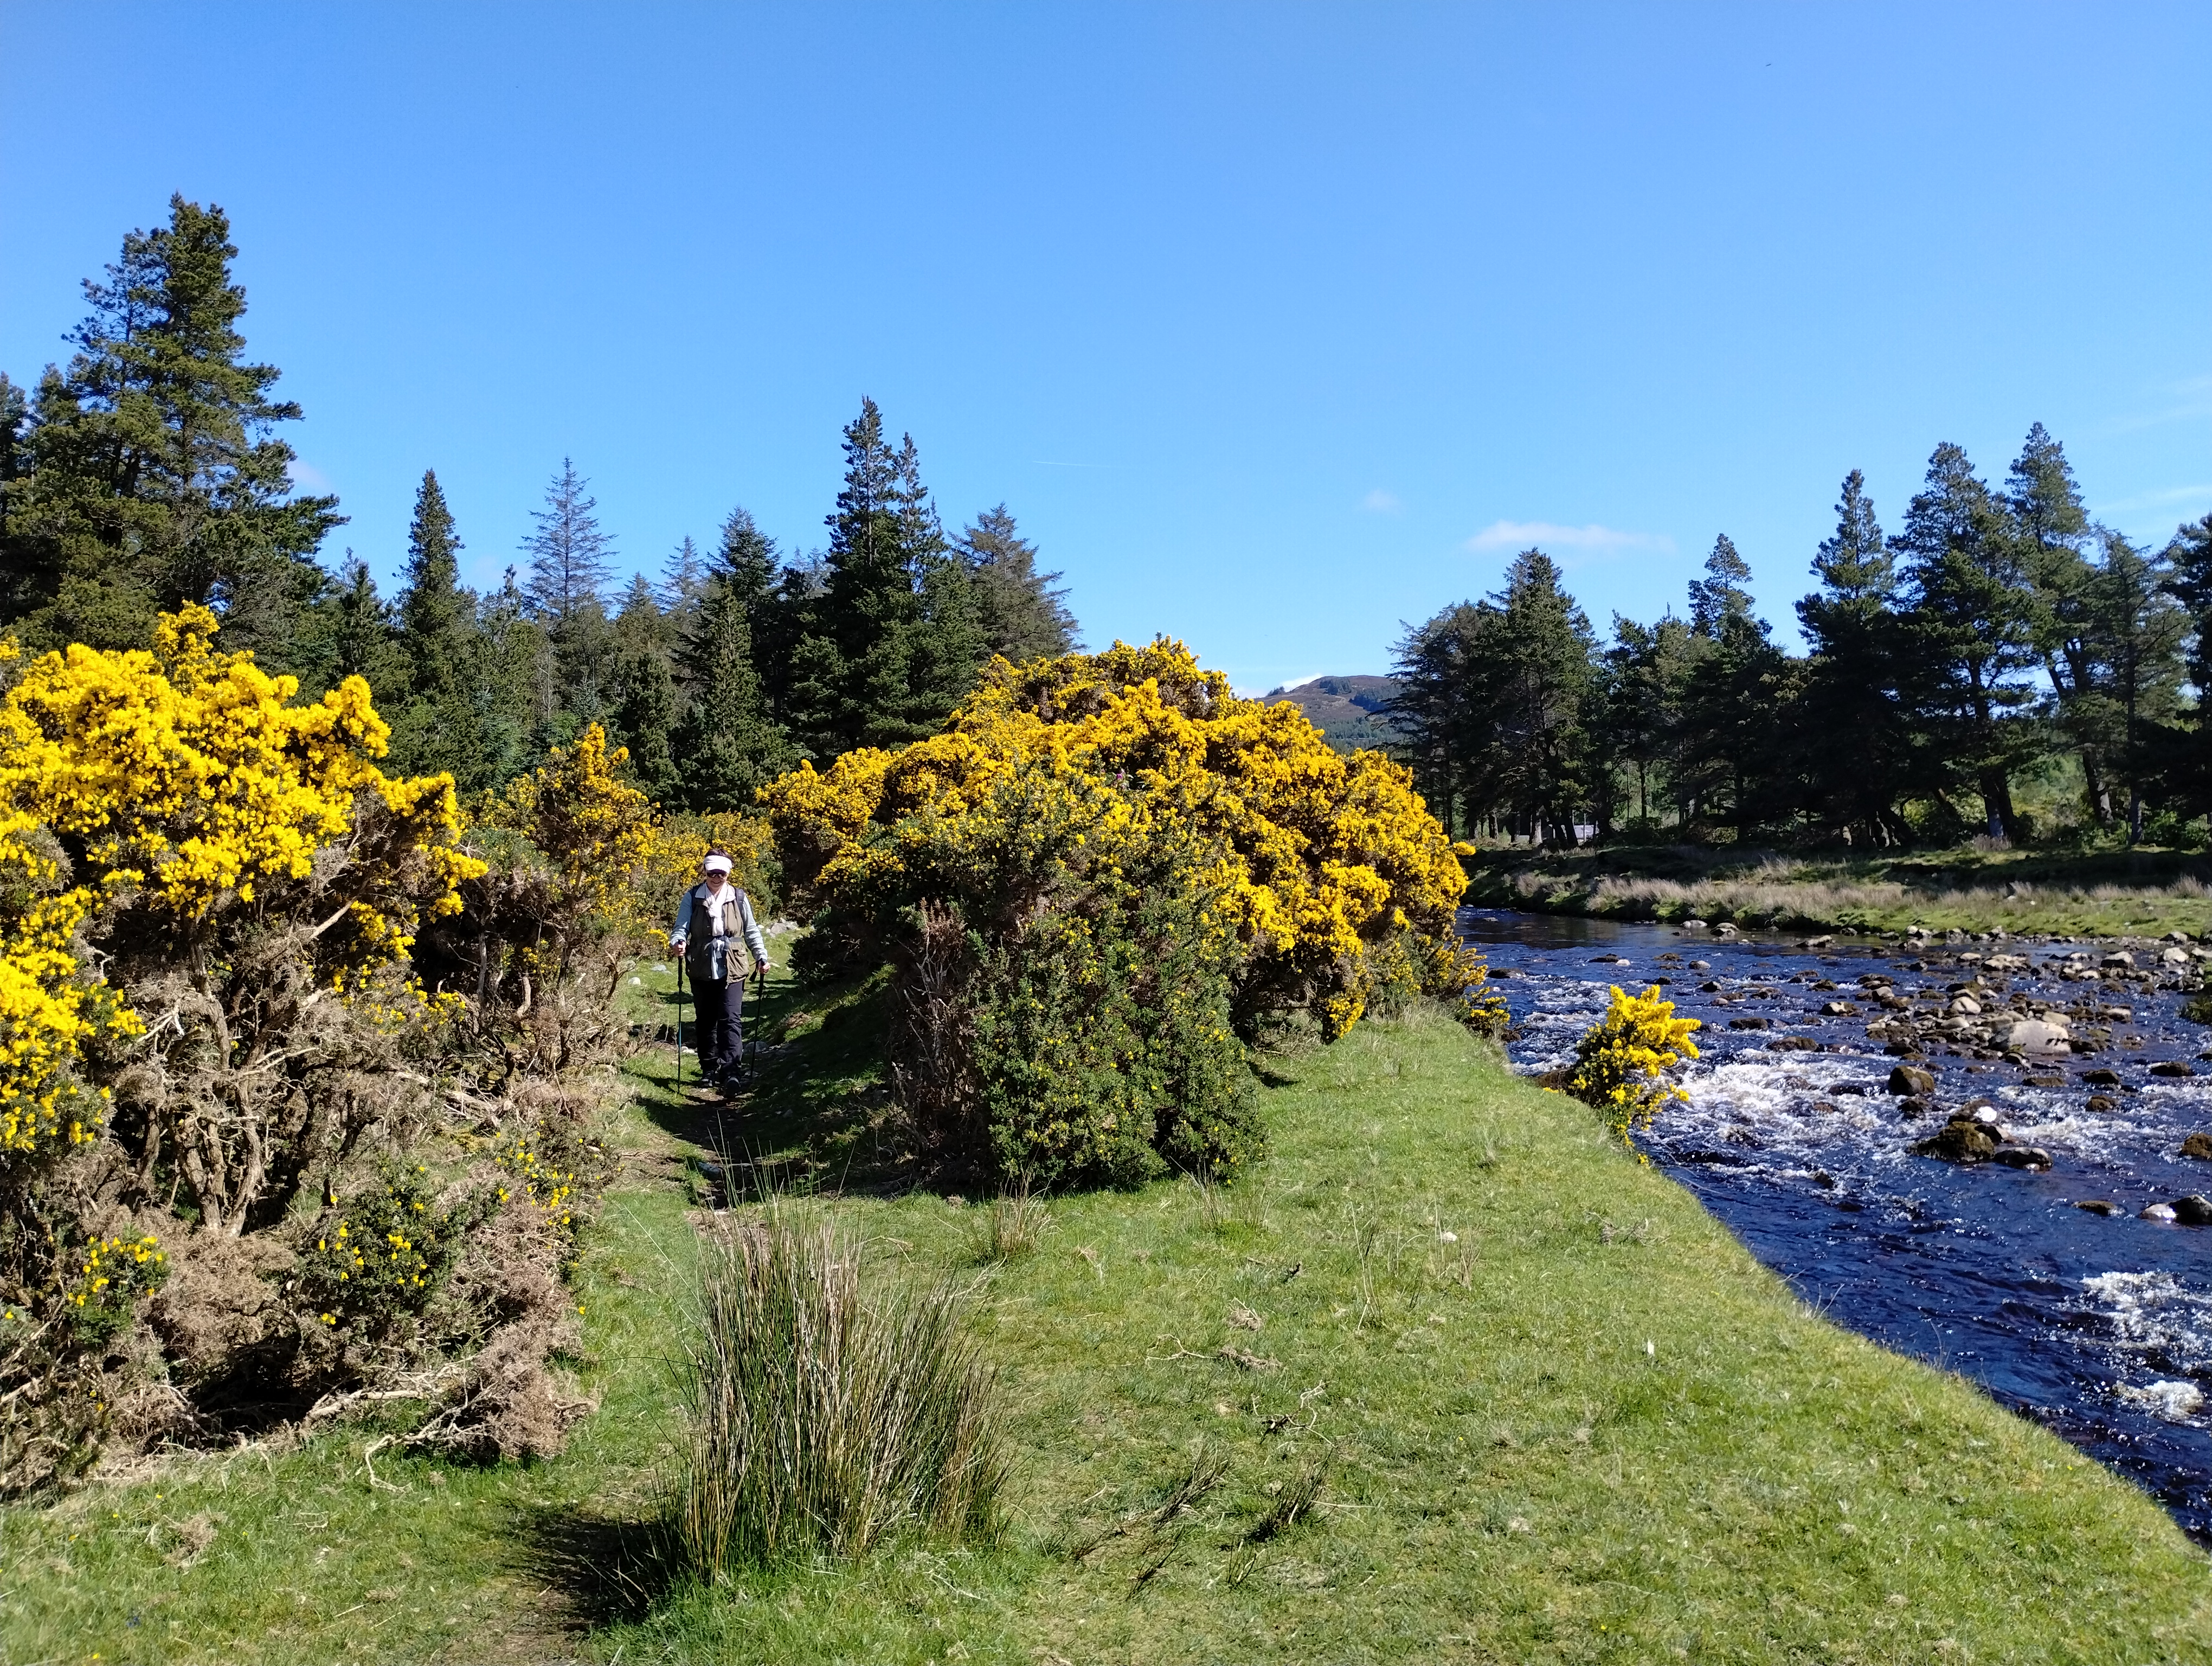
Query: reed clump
<point>830,1409</point>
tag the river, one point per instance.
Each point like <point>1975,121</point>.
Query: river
<point>2097,1325</point>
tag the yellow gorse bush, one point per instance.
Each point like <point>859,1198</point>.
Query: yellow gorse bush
<point>190,772</point>
<point>1317,854</point>
<point>190,778</point>
<point>1621,1064</point>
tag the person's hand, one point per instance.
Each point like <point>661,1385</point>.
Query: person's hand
<point>677,942</point>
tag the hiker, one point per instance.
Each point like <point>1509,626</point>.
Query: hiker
<point>711,919</point>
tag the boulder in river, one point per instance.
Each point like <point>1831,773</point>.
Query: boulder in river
<point>2037,1036</point>
<point>1914,1107</point>
<point>2193,1210</point>
<point>2156,1211</point>
<point>2101,1077</point>
<point>2172,1067</point>
<point>2098,1206</point>
<point>2022,1156</point>
<point>1748,1024</point>
<point>1965,1006</point>
<point>2198,1145</point>
<point>1911,1079</point>
<point>2119,959</point>
<point>1701,965</point>
<point>2103,1104</point>
<point>1959,1140</point>
<point>1838,1009</point>
<point>1793,1044</point>
<point>2174,958</point>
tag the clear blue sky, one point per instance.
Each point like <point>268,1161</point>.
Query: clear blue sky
<point>1274,326</point>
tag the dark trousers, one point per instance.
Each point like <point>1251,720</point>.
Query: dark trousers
<point>720,1030</point>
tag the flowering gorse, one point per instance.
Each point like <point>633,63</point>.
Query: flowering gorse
<point>1622,1064</point>
<point>1310,857</point>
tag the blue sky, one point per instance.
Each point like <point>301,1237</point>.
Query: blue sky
<point>1276,326</point>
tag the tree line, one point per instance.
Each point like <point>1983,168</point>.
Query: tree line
<point>148,473</point>
<point>1999,635</point>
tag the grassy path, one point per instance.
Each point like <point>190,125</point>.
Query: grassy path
<point>1583,1427</point>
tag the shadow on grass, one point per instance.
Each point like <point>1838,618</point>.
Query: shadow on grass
<point>605,1570</point>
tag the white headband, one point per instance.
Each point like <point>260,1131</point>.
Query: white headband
<point>718,864</point>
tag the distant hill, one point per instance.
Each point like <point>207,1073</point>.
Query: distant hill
<point>1347,709</point>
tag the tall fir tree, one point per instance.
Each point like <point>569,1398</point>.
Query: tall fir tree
<point>2051,530</point>
<point>571,561</point>
<point>683,579</point>
<point>149,474</point>
<point>894,639</point>
<point>729,745</point>
<point>1853,700</point>
<point>1970,633</point>
<point>1024,612</point>
<point>440,725</point>
<point>1723,593</point>
<point>2140,629</point>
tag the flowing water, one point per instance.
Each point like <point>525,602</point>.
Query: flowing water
<point>2099,1326</point>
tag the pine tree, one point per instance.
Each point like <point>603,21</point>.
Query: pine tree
<point>2139,631</point>
<point>1970,640</point>
<point>1639,712</point>
<point>1432,668</point>
<point>894,639</point>
<point>434,611</point>
<point>729,745</point>
<point>2052,529</point>
<point>148,475</point>
<point>350,634</point>
<point>1723,594</point>
<point>1530,667</point>
<point>1024,616</point>
<point>509,652</point>
<point>1853,699</point>
<point>570,564</point>
<point>682,577</point>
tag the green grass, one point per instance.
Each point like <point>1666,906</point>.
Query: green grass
<point>1587,1428</point>
<point>2116,893</point>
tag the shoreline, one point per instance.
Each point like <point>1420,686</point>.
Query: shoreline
<point>2140,896</point>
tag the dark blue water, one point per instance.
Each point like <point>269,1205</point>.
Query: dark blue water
<point>2098,1327</point>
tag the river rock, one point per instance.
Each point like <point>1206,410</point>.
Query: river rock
<point>2098,1206</point>
<point>2038,1035</point>
<point>2043,1081</point>
<point>2102,1104</point>
<point>2156,1211</point>
<point>1701,965</point>
<point>1958,1141</point>
<point>2022,1156</point>
<point>2101,1077</point>
<point>1965,1006</point>
<point>2193,1210</point>
<point>1793,1044</point>
<point>2118,960</point>
<point>1838,1009</point>
<point>2174,958</point>
<point>2198,1145</point>
<point>1914,1108</point>
<point>2172,1067</point>
<point>1748,1024</point>
<point>1911,1079</point>
<point>1693,925</point>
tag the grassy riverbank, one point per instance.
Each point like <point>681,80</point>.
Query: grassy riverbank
<point>1586,1426</point>
<point>2140,893</point>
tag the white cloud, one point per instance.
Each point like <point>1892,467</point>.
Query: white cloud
<point>1593,540</point>
<point>1380,502</point>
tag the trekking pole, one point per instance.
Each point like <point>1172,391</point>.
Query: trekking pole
<point>679,1023</point>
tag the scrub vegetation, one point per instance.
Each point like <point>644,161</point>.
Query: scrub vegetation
<point>1450,1376</point>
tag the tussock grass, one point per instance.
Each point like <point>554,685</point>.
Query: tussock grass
<point>827,1411</point>
<point>1014,1226</point>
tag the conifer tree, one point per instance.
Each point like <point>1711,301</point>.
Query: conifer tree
<point>1853,701</point>
<point>894,639</point>
<point>1723,592</point>
<point>1970,640</point>
<point>149,476</point>
<point>728,745</point>
<point>434,611</point>
<point>1024,615</point>
<point>1433,667</point>
<point>2140,629</point>
<point>2052,529</point>
<point>570,564</point>
<point>682,577</point>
